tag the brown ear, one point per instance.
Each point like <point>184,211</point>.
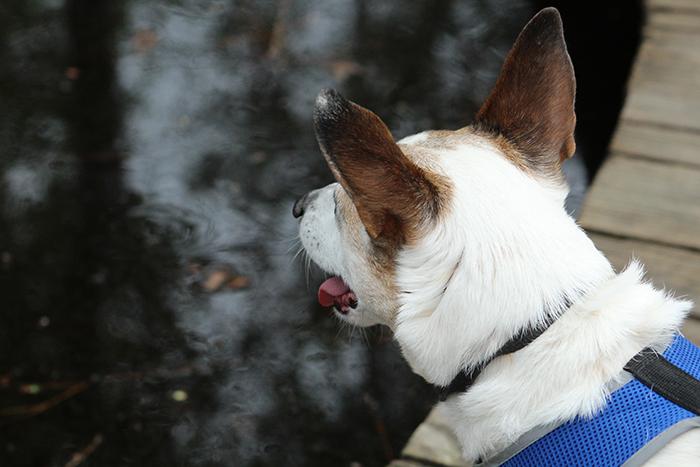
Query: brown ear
<point>392,195</point>
<point>532,104</point>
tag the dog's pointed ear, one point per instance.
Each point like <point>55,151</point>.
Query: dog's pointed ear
<point>532,103</point>
<point>392,195</point>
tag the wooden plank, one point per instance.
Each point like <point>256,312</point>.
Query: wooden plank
<point>691,6</point>
<point>674,269</point>
<point>435,442</point>
<point>691,330</point>
<point>663,143</point>
<point>645,200</point>
<point>664,84</point>
<point>674,21</point>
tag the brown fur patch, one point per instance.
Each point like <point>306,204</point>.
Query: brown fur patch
<point>532,103</point>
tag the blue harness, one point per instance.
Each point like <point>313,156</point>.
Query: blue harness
<point>633,426</point>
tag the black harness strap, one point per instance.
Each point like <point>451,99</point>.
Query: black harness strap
<point>464,380</point>
<point>666,379</point>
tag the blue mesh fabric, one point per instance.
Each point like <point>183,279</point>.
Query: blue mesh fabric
<point>634,415</point>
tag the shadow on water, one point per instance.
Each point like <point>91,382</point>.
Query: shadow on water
<point>152,308</point>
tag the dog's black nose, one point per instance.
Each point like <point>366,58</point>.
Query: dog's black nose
<point>300,206</point>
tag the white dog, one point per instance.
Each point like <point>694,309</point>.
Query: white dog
<point>459,242</point>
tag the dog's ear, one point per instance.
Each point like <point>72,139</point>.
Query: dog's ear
<point>532,103</point>
<point>392,195</point>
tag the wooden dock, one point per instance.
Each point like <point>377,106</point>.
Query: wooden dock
<point>645,200</point>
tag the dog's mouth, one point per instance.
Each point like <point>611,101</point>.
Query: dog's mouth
<point>335,292</point>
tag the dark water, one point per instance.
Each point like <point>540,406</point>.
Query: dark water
<point>151,310</point>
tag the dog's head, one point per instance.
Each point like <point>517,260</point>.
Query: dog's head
<point>452,238</point>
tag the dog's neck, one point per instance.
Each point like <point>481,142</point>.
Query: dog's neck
<point>479,299</point>
<point>567,371</point>
<point>476,280</point>
<point>492,267</point>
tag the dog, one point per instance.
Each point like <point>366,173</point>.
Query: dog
<point>459,240</point>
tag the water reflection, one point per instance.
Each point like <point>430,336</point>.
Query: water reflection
<point>152,310</point>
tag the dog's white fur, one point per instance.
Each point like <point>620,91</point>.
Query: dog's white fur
<point>512,253</point>
<point>505,253</point>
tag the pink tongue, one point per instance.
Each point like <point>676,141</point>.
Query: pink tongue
<point>331,289</point>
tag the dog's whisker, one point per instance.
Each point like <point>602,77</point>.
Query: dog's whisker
<point>308,269</point>
<point>295,244</point>
<point>296,255</point>
<point>365,338</point>
<point>339,330</point>
<point>343,328</point>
